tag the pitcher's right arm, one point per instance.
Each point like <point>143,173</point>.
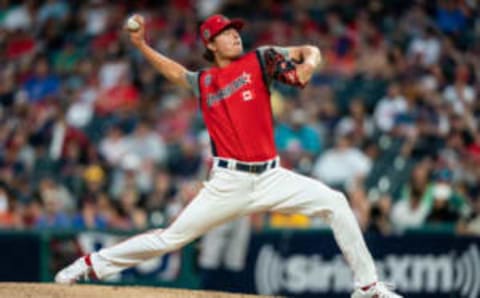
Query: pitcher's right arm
<point>171,70</point>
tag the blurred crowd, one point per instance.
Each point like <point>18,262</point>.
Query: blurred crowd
<point>92,137</point>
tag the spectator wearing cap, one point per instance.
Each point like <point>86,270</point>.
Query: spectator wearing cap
<point>94,181</point>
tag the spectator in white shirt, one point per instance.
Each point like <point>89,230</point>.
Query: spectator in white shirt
<point>342,164</point>
<point>21,17</point>
<point>114,70</point>
<point>79,113</point>
<point>95,16</point>
<point>460,94</point>
<point>147,144</point>
<point>389,107</point>
<point>114,146</point>
<point>425,48</point>
<point>411,212</point>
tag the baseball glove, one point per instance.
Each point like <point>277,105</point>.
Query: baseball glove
<point>281,69</point>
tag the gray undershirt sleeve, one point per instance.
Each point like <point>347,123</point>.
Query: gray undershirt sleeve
<point>192,79</point>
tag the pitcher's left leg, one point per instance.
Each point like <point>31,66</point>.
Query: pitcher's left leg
<point>287,192</point>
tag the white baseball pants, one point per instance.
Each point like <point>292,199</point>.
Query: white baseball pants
<point>229,194</point>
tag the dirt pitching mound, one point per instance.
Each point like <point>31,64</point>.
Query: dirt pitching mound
<point>39,290</point>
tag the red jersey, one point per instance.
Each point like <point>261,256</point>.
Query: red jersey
<point>235,102</point>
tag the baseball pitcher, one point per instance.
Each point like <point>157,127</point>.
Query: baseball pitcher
<point>246,177</point>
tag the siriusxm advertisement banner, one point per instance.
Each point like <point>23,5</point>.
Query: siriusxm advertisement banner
<point>309,264</point>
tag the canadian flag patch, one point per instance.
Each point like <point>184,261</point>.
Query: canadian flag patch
<point>247,95</point>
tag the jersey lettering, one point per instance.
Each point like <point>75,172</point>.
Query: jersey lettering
<point>228,90</point>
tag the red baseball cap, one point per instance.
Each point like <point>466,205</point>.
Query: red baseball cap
<point>215,24</point>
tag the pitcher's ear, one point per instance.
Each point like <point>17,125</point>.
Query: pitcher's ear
<point>211,46</point>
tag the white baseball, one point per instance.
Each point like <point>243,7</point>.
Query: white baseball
<point>132,25</point>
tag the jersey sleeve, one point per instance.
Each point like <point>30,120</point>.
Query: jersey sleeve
<point>192,79</point>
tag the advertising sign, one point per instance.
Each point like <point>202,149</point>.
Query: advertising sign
<point>310,265</point>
